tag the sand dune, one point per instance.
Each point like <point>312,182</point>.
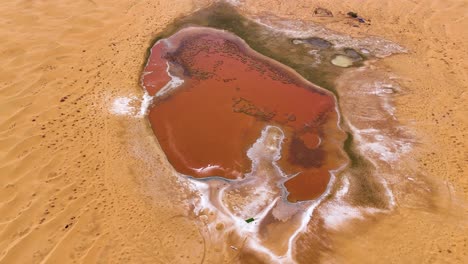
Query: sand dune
<point>62,197</point>
<point>72,190</point>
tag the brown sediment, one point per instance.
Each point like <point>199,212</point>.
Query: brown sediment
<point>230,93</point>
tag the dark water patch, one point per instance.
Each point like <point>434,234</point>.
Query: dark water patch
<point>303,155</point>
<point>319,42</point>
<point>353,54</point>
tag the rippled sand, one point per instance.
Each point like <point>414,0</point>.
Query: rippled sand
<point>82,181</point>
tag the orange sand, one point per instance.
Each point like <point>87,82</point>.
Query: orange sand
<point>74,177</point>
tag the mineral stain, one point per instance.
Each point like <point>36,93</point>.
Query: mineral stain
<point>229,93</point>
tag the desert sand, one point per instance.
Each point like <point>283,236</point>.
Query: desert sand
<point>80,182</point>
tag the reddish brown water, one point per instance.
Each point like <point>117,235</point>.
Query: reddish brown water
<point>230,93</point>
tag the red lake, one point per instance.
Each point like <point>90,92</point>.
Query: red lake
<point>213,95</point>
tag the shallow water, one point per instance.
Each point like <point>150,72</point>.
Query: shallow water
<point>227,94</point>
